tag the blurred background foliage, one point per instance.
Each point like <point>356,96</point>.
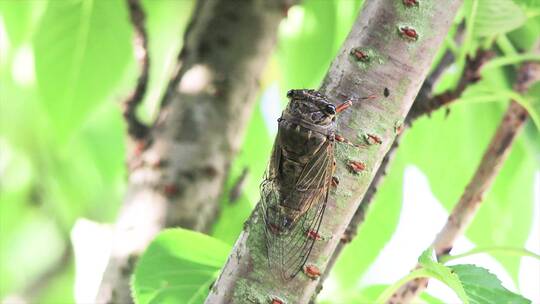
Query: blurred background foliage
<point>66,65</point>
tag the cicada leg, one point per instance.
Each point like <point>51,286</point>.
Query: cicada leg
<point>343,106</point>
<point>342,139</point>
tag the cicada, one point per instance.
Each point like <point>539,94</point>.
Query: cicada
<point>295,188</point>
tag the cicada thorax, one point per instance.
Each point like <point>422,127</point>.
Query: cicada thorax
<point>298,145</point>
<point>294,193</point>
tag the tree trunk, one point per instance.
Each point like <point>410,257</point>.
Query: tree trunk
<point>400,40</point>
<point>179,170</point>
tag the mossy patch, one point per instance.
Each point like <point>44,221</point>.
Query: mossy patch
<point>365,57</point>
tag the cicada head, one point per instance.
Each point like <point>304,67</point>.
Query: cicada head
<point>311,107</point>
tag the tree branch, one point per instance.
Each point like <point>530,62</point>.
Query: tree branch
<point>183,163</point>
<point>471,74</point>
<point>394,72</point>
<point>490,165</point>
<point>423,99</point>
<point>135,128</point>
<point>424,104</point>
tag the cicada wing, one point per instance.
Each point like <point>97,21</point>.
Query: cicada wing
<point>295,247</point>
<point>289,246</point>
<point>269,195</point>
<point>313,184</point>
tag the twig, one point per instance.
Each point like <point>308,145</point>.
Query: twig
<point>136,129</point>
<point>490,165</point>
<point>425,103</point>
<point>425,96</point>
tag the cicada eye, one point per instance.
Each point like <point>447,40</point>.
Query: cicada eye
<point>330,109</point>
<point>289,93</point>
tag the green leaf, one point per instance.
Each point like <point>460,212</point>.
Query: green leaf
<point>81,49</point>
<point>442,273</point>
<point>20,18</point>
<point>495,17</point>
<point>472,284</point>
<point>179,266</point>
<point>422,272</point>
<point>35,230</point>
<point>482,286</point>
<point>165,25</point>
<point>61,287</point>
<point>526,36</point>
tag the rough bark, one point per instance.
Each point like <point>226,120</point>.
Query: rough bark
<point>400,42</point>
<point>488,169</point>
<point>178,170</point>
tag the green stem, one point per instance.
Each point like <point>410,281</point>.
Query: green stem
<point>478,98</point>
<point>452,46</point>
<point>502,249</point>
<point>508,60</point>
<point>500,94</point>
<point>390,290</point>
<point>467,45</point>
<point>470,29</point>
<point>506,45</point>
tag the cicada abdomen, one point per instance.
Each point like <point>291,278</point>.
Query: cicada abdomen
<point>295,189</point>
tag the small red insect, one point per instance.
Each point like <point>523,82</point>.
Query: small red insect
<point>373,139</point>
<point>359,55</point>
<point>408,32</point>
<point>314,235</point>
<point>356,167</point>
<point>312,271</point>
<point>170,189</point>
<point>410,3</point>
